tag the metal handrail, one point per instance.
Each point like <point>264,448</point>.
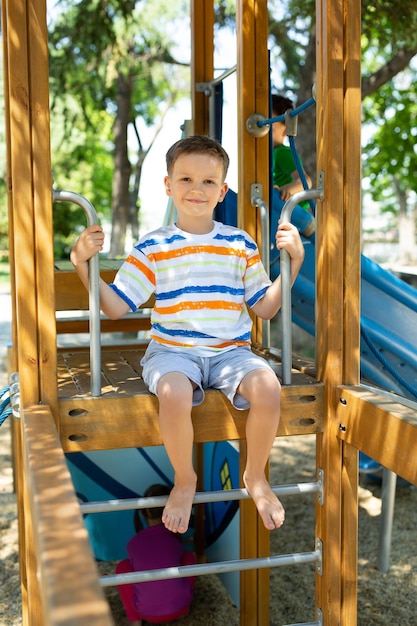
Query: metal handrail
<point>59,195</point>
<point>308,194</point>
<point>258,201</point>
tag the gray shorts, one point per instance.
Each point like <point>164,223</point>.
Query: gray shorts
<point>223,371</point>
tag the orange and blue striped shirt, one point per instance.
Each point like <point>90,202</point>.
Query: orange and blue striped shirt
<point>203,285</point>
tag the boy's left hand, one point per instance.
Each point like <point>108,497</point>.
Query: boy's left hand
<point>288,238</point>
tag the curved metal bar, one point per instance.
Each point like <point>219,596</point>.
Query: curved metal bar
<point>220,567</point>
<point>94,288</point>
<point>291,113</point>
<point>286,279</point>
<point>206,87</point>
<point>128,504</point>
<point>258,201</point>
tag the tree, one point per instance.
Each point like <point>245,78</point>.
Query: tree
<point>388,27</point>
<point>82,162</point>
<point>114,56</point>
<point>4,242</point>
<point>389,44</point>
<point>391,162</point>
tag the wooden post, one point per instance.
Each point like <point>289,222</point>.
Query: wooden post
<point>338,281</point>
<point>31,250</point>
<point>42,201</point>
<point>202,68</point>
<point>253,89</point>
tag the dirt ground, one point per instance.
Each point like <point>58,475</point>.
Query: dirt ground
<point>383,598</point>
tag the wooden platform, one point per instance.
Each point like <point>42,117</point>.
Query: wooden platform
<point>126,414</point>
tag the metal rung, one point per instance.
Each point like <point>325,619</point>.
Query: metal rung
<point>319,621</point>
<point>211,568</point>
<point>200,498</point>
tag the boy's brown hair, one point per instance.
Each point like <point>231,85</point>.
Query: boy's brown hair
<point>280,104</point>
<point>154,513</point>
<point>197,144</point>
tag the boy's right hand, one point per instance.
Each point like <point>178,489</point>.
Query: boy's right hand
<point>87,245</point>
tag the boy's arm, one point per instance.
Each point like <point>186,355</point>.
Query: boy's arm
<point>287,238</point>
<point>288,190</point>
<point>87,245</point>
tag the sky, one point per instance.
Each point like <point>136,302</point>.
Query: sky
<point>152,191</point>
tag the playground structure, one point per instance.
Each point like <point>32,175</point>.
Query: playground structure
<point>59,578</point>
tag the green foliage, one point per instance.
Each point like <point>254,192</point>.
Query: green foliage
<point>382,19</point>
<point>391,161</point>
<point>93,42</point>
<point>4,229</point>
<point>98,48</point>
<point>82,161</point>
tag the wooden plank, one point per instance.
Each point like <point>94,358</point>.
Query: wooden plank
<point>74,365</point>
<point>382,428</point>
<point>88,423</point>
<point>129,324</point>
<point>122,420</point>
<point>66,567</point>
<point>70,293</point>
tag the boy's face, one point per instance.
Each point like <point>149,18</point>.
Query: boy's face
<point>278,133</point>
<point>196,185</point>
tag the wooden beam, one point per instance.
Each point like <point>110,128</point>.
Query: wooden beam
<point>129,324</point>
<point>337,296</point>
<point>42,200</point>
<point>70,293</point>
<point>382,428</point>
<point>202,61</point>
<point>90,424</point>
<point>351,294</point>
<point>71,593</point>
<point>21,181</point>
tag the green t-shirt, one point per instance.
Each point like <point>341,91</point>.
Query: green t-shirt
<point>283,167</point>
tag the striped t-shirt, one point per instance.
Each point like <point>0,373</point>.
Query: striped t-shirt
<point>202,284</point>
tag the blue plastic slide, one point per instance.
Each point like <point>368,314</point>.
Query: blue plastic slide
<point>388,307</point>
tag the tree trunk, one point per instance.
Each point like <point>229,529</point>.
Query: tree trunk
<point>134,208</point>
<point>122,168</point>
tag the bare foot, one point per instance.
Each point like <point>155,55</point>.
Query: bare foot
<point>177,511</point>
<point>269,507</point>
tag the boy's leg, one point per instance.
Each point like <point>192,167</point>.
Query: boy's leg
<point>262,390</point>
<point>175,392</point>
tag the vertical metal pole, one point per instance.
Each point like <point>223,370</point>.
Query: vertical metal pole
<point>285,262</point>
<point>94,289</point>
<point>389,483</point>
<point>259,202</point>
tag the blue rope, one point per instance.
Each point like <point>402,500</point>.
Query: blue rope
<point>293,113</point>
<point>386,364</point>
<point>5,408</point>
<point>281,118</point>
<point>300,171</point>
